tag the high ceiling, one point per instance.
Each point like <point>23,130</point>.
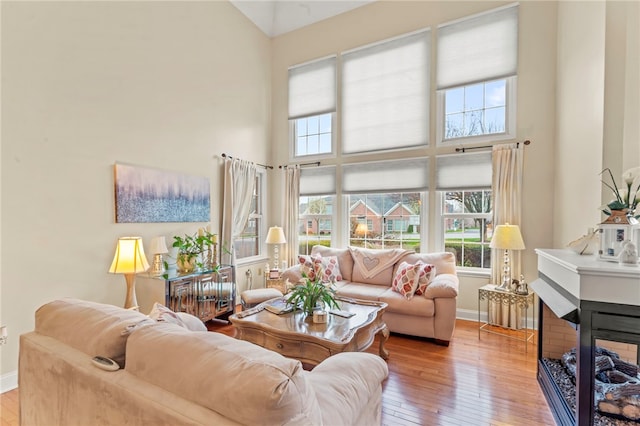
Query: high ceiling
<point>275,17</point>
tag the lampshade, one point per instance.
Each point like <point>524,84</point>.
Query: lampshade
<point>129,257</point>
<point>507,237</point>
<point>275,236</point>
<point>158,245</point>
<point>361,230</point>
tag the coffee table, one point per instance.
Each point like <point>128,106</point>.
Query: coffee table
<point>296,336</point>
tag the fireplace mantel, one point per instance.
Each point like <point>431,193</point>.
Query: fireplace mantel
<point>588,278</point>
<point>602,299</point>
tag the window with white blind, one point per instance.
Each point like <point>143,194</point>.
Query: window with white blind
<point>477,61</point>
<point>465,184</point>
<point>316,207</point>
<point>312,106</point>
<point>385,94</point>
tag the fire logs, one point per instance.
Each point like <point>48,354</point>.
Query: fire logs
<point>617,383</point>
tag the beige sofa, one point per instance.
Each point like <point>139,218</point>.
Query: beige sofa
<point>174,376</point>
<point>431,315</point>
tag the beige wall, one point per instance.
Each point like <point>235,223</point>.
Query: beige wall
<point>535,109</point>
<point>170,85</point>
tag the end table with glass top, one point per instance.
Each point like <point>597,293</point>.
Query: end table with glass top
<point>507,298</point>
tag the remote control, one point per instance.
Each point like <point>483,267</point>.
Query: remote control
<point>105,363</point>
<point>344,314</point>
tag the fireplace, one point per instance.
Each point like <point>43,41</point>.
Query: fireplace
<point>592,307</point>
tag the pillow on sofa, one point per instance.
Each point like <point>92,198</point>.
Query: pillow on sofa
<point>327,268</point>
<point>161,313</point>
<point>405,281</point>
<point>307,266</point>
<point>426,272</point>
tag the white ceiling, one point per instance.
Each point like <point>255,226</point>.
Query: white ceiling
<point>275,17</point>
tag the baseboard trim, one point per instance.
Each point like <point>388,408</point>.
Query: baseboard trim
<point>8,381</point>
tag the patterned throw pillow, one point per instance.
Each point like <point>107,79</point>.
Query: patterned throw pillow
<point>307,266</point>
<point>327,268</point>
<point>426,272</point>
<point>406,280</point>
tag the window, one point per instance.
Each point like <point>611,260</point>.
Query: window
<point>476,69</point>
<point>465,183</point>
<point>466,217</point>
<point>249,243</point>
<point>392,220</point>
<point>312,104</point>
<point>316,212</point>
<point>313,135</point>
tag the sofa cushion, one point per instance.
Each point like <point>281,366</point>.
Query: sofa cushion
<point>327,268</point>
<point>417,306</point>
<point>405,280</point>
<point>218,371</point>
<point>344,259</point>
<point>426,273</point>
<point>445,262</point>
<point>361,291</point>
<point>307,266</point>
<point>374,266</point>
<point>443,285</point>
<point>90,327</point>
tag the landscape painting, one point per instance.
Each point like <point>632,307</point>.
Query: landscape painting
<point>151,195</point>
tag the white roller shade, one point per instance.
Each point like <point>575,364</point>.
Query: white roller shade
<point>483,47</point>
<point>318,180</point>
<point>386,176</point>
<point>463,171</point>
<point>385,95</point>
<point>312,88</point>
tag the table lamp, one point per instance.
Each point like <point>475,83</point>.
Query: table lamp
<point>361,230</point>
<point>275,236</point>
<point>158,248</point>
<point>506,237</point>
<point>129,260</point>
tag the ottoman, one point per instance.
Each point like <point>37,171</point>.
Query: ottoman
<point>251,298</point>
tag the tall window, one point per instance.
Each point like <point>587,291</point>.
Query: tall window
<point>249,243</point>
<point>316,209</point>
<point>476,69</point>
<point>466,217</point>
<point>312,105</point>
<point>390,220</point>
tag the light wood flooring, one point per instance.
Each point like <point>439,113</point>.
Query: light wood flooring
<point>486,381</point>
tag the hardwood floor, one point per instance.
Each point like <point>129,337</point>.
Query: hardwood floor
<point>490,381</point>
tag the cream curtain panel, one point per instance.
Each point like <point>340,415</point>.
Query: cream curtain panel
<point>239,182</point>
<point>291,212</point>
<point>508,163</point>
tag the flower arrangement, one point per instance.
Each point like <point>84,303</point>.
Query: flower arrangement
<point>627,196</point>
<point>311,294</point>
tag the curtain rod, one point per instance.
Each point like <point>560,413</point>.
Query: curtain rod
<point>315,163</point>
<point>527,142</point>
<point>257,164</point>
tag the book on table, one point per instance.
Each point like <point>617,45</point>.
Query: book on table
<point>278,306</point>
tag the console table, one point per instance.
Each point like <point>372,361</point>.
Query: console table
<point>205,294</point>
<point>523,301</point>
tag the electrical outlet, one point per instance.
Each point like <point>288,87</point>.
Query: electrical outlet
<point>3,335</point>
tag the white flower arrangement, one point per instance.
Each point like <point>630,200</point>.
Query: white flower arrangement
<point>627,196</point>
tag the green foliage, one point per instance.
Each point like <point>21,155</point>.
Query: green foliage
<point>306,296</point>
<point>472,255</point>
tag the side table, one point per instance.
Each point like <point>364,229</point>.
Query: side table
<point>523,301</point>
<point>277,283</point>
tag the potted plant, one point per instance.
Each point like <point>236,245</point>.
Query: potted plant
<point>189,248</point>
<point>312,295</point>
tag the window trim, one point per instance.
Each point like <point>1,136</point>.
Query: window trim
<point>511,84</point>
<point>293,136</point>
<point>261,175</point>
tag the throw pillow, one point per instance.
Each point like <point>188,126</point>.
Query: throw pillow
<point>406,280</point>
<point>161,313</point>
<point>426,272</point>
<point>307,266</point>
<point>327,268</point>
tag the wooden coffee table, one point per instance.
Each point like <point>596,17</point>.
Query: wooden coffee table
<point>294,336</point>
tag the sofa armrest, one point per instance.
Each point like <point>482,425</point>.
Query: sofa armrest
<point>293,274</point>
<point>443,285</point>
<point>345,385</point>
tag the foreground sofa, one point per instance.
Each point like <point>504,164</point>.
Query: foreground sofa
<point>431,315</point>
<point>174,376</point>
